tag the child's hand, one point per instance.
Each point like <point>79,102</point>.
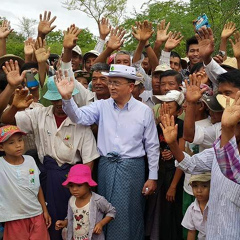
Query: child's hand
<point>60,224</point>
<point>47,218</point>
<point>167,155</point>
<point>98,228</point>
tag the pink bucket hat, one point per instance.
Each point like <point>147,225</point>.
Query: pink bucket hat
<point>79,174</point>
<point>7,131</point>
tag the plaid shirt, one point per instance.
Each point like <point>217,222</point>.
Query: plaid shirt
<point>228,159</point>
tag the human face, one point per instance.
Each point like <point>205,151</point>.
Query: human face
<point>227,89</point>
<point>201,190</point>
<point>89,62</point>
<point>14,146</point>
<point>76,61</point>
<point>215,116</point>
<point>120,89</point>
<point>81,191</point>
<point>168,83</point>
<point>173,108</point>
<point>175,63</point>
<point>193,54</point>
<point>100,85</point>
<point>156,83</point>
<point>57,108</point>
<point>83,81</point>
<point>146,65</point>
<point>123,59</point>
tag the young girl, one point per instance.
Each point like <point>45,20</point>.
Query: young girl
<point>22,204</point>
<point>85,208</point>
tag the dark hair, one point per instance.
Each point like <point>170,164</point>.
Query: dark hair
<point>173,73</point>
<point>3,81</point>
<point>232,77</point>
<point>130,80</point>
<point>145,54</point>
<point>100,67</point>
<point>29,65</point>
<point>175,54</point>
<point>196,67</point>
<point>190,41</point>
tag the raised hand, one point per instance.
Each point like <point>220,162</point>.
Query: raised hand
<point>193,91</point>
<point>28,46</point>
<point>104,28</point>
<point>228,30</point>
<point>22,99</point>
<point>231,114</point>
<point>71,37</point>
<point>64,84</point>
<point>236,44</point>
<point>162,31</point>
<point>116,38</point>
<point>169,129</point>
<point>42,53</point>
<point>202,75</point>
<point>45,24</point>
<point>205,42</point>
<point>5,29</point>
<point>142,31</point>
<point>173,41</point>
<point>12,72</point>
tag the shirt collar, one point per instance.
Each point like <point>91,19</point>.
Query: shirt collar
<point>196,206</point>
<point>128,106</point>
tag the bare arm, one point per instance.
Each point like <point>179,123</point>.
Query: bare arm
<point>191,235</point>
<point>5,30</point>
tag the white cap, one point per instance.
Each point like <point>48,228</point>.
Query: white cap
<point>142,80</point>
<point>162,68</point>
<point>91,52</point>
<point>76,49</point>
<point>171,96</point>
<point>118,70</point>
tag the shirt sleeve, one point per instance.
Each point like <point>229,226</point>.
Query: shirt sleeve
<point>187,221</point>
<point>213,69</point>
<point>165,58</point>
<point>99,45</point>
<point>87,147</point>
<point>152,146</point>
<point>147,78</point>
<point>205,136</point>
<point>228,159</point>
<point>87,115</point>
<point>198,163</point>
<point>106,207</point>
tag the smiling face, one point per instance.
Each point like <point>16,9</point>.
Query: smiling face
<point>100,85</point>
<point>76,61</point>
<point>193,54</point>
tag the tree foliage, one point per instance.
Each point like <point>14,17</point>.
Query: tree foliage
<point>97,9</point>
<point>26,26</point>
<point>181,15</point>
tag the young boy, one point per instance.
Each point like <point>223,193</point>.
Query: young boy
<point>196,215</point>
<point>22,204</point>
<point>165,207</point>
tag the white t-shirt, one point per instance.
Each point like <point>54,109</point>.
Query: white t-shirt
<point>80,220</point>
<point>195,220</point>
<point>19,187</point>
<point>194,148</point>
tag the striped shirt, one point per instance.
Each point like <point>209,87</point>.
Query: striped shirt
<point>228,159</point>
<point>224,202</point>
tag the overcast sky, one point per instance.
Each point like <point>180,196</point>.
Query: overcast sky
<point>14,9</point>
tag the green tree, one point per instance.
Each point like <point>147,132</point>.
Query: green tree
<point>97,9</point>
<point>26,26</point>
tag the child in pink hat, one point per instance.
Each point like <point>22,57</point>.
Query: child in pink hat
<point>85,208</point>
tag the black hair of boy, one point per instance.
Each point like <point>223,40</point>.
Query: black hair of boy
<point>232,77</point>
<point>190,41</point>
<point>196,67</point>
<point>172,73</point>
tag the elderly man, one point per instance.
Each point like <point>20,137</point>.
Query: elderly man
<point>127,132</point>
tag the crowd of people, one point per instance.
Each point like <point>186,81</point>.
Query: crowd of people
<point>114,145</point>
